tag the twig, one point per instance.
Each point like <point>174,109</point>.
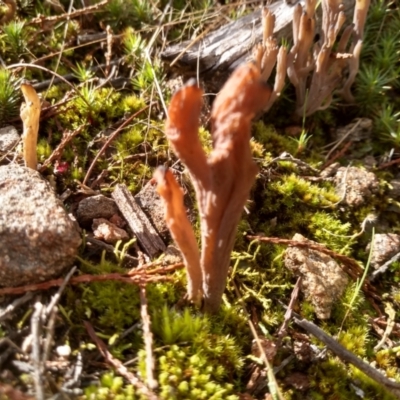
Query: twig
<point>36,323</point>
<point>71,76</point>
<point>77,373</point>
<point>148,340</point>
<point>383,268</point>
<point>341,140</point>
<point>344,189</point>
<point>4,313</point>
<point>51,310</point>
<point>57,153</point>
<point>109,248</point>
<point>109,140</point>
<point>272,384</point>
<point>10,349</point>
<point>56,18</point>
<point>285,156</point>
<point>61,78</point>
<point>55,299</point>
<point>349,357</point>
<point>389,327</point>
<point>108,53</point>
<point>288,313</point>
<point>389,164</point>
<point>132,279</point>
<point>121,369</point>
<point>337,155</point>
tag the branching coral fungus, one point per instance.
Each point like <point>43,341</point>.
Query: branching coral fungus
<point>268,53</point>
<point>326,65</point>
<point>222,181</point>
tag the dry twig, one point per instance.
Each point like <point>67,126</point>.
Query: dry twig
<point>68,15</point>
<point>36,326</point>
<point>148,340</point>
<point>138,221</point>
<point>347,356</point>
<point>132,277</point>
<point>58,151</point>
<point>122,370</point>
<point>109,140</point>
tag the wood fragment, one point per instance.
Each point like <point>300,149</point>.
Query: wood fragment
<point>231,45</point>
<point>349,357</point>
<point>138,221</point>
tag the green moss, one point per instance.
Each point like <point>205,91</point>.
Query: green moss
<point>43,149</point>
<point>132,103</point>
<point>185,376</point>
<point>355,339</point>
<point>294,189</point>
<point>110,387</point>
<point>128,141</point>
<point>330,231</point>
<point>273,142</point>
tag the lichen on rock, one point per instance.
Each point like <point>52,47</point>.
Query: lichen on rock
<point>323,281</point>
<point>38,240</point>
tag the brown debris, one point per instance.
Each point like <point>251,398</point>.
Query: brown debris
<point>138,221</point>
<point>107,231</point>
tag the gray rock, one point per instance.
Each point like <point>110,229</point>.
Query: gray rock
<point>394,190</point>
<point>94,207</point>
<point>38,240</point>
<point>323,281</point>
<point>356,185</point>
<point>385,246</point>
<point>9,137</point>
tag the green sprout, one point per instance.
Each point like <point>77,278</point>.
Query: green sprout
<point>134,46</point>
<point>301,141</point>
<point>15,38</point>
<point>82,73</point>
<point>9,97</point>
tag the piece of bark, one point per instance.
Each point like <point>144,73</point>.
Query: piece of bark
<point>138,221</point>
<point>232,44</point>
